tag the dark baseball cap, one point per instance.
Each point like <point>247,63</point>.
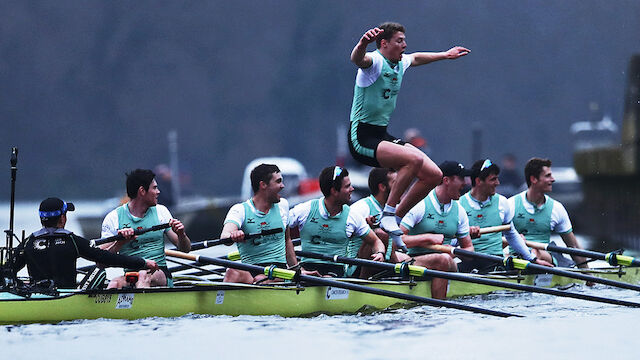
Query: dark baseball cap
<point>453,168</point>
<point>53,207</point>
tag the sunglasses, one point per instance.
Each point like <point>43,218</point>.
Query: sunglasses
<point>486,164</point>
<point>336,172</point>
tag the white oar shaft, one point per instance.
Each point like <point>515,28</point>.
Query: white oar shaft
<point>494,229</point>
<point>531,244</point>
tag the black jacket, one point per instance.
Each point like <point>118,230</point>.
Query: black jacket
<point>51,253</point>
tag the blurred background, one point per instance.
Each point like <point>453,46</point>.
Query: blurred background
<point>92,89</point>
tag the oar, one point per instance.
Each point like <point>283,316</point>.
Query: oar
<point>96,242</point>
<point>612,258</point>
<point>209,243</point>
<point>414,270</point>
<point>494,229</point>
<point>511,262</point>
<point>274,272</point>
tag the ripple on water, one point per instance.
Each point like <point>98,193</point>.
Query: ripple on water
<point>564,325</point>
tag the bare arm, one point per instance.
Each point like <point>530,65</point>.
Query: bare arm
<point>571,241</point>
<point>359,53</point>
<point>422,58</point>
<point>420,240</point>
<point>466,243</point>
<point>376,244</point>
<point>178,236</point>
<point>292,260</point>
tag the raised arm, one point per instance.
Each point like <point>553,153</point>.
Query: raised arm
<point>359,53</point>
<point>422,58</point>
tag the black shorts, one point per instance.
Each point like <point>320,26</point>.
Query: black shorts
<point>363,144</point>
<point>325,269</point>
<point>278,265</point>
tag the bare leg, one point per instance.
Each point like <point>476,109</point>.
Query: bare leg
<point>410,164</point>
<point>442,262</point>
<point>238,276</point>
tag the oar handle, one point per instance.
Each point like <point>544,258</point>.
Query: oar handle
<point>494,229</point>
<point>96,242</point>
<point>209,243</point>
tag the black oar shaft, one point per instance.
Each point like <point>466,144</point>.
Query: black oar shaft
<point>227,241</point>
<point>523,264</point>
<point>113,238</point>
<point>422,271</point>
<point>612,258</point>
<point>290,275</point>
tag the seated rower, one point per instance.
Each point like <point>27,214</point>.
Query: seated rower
<point>266,210</point>
<point>51,252</point>
<point>485,208</point>
<point>537,214</point>
<point>380,182</point>
<point>327,225</point>
<point>438,219</point>
<point>143,211</point>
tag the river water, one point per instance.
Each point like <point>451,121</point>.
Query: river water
<point>553,327</point>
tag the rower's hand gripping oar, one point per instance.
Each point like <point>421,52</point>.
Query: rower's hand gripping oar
<point>520,264</point>
<point>613,258</point>
<point>274,272</point>
<point>406,270</point>
<point>227,241</point>
<point>96,242</point>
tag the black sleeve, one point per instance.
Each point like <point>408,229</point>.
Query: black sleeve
<point>105,257</point>
<point>18,256</point>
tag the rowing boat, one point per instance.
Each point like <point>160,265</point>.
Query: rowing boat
<point>194,295</point>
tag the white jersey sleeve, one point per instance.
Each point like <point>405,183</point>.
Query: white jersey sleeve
<point>360,207</point>
<point>357,225</point>
<point>367,76</point>
<point>560,222</point>
<point>415,215</point>
<point>164,215</point>
<point>299,214</point>
<point>407,59</point>
<point>463,222</point>
<point>110,224</point>
<point>284,211</point>
<point>235,215</point>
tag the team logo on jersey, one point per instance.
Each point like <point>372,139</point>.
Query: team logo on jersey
<point>520,216</point>
<point>429,216</point>
<point>314,220</point>
<point>125,226</point>
<point>532,221</point>
<point>479,218</point>
<point>325,228</point>
<point>251,221</point>
<point>440,224</point>
<point>40,244</point>
<point>386,74</point>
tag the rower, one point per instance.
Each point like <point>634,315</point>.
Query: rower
<point>377,84</point>
<point>51,252</point>
<point>327,225</point>
<point>370,208</point>
<point>438,219</point>
<point>266,210</point>
<point>537,215</point>
<point>485,208</point>
<point>143,211</point>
